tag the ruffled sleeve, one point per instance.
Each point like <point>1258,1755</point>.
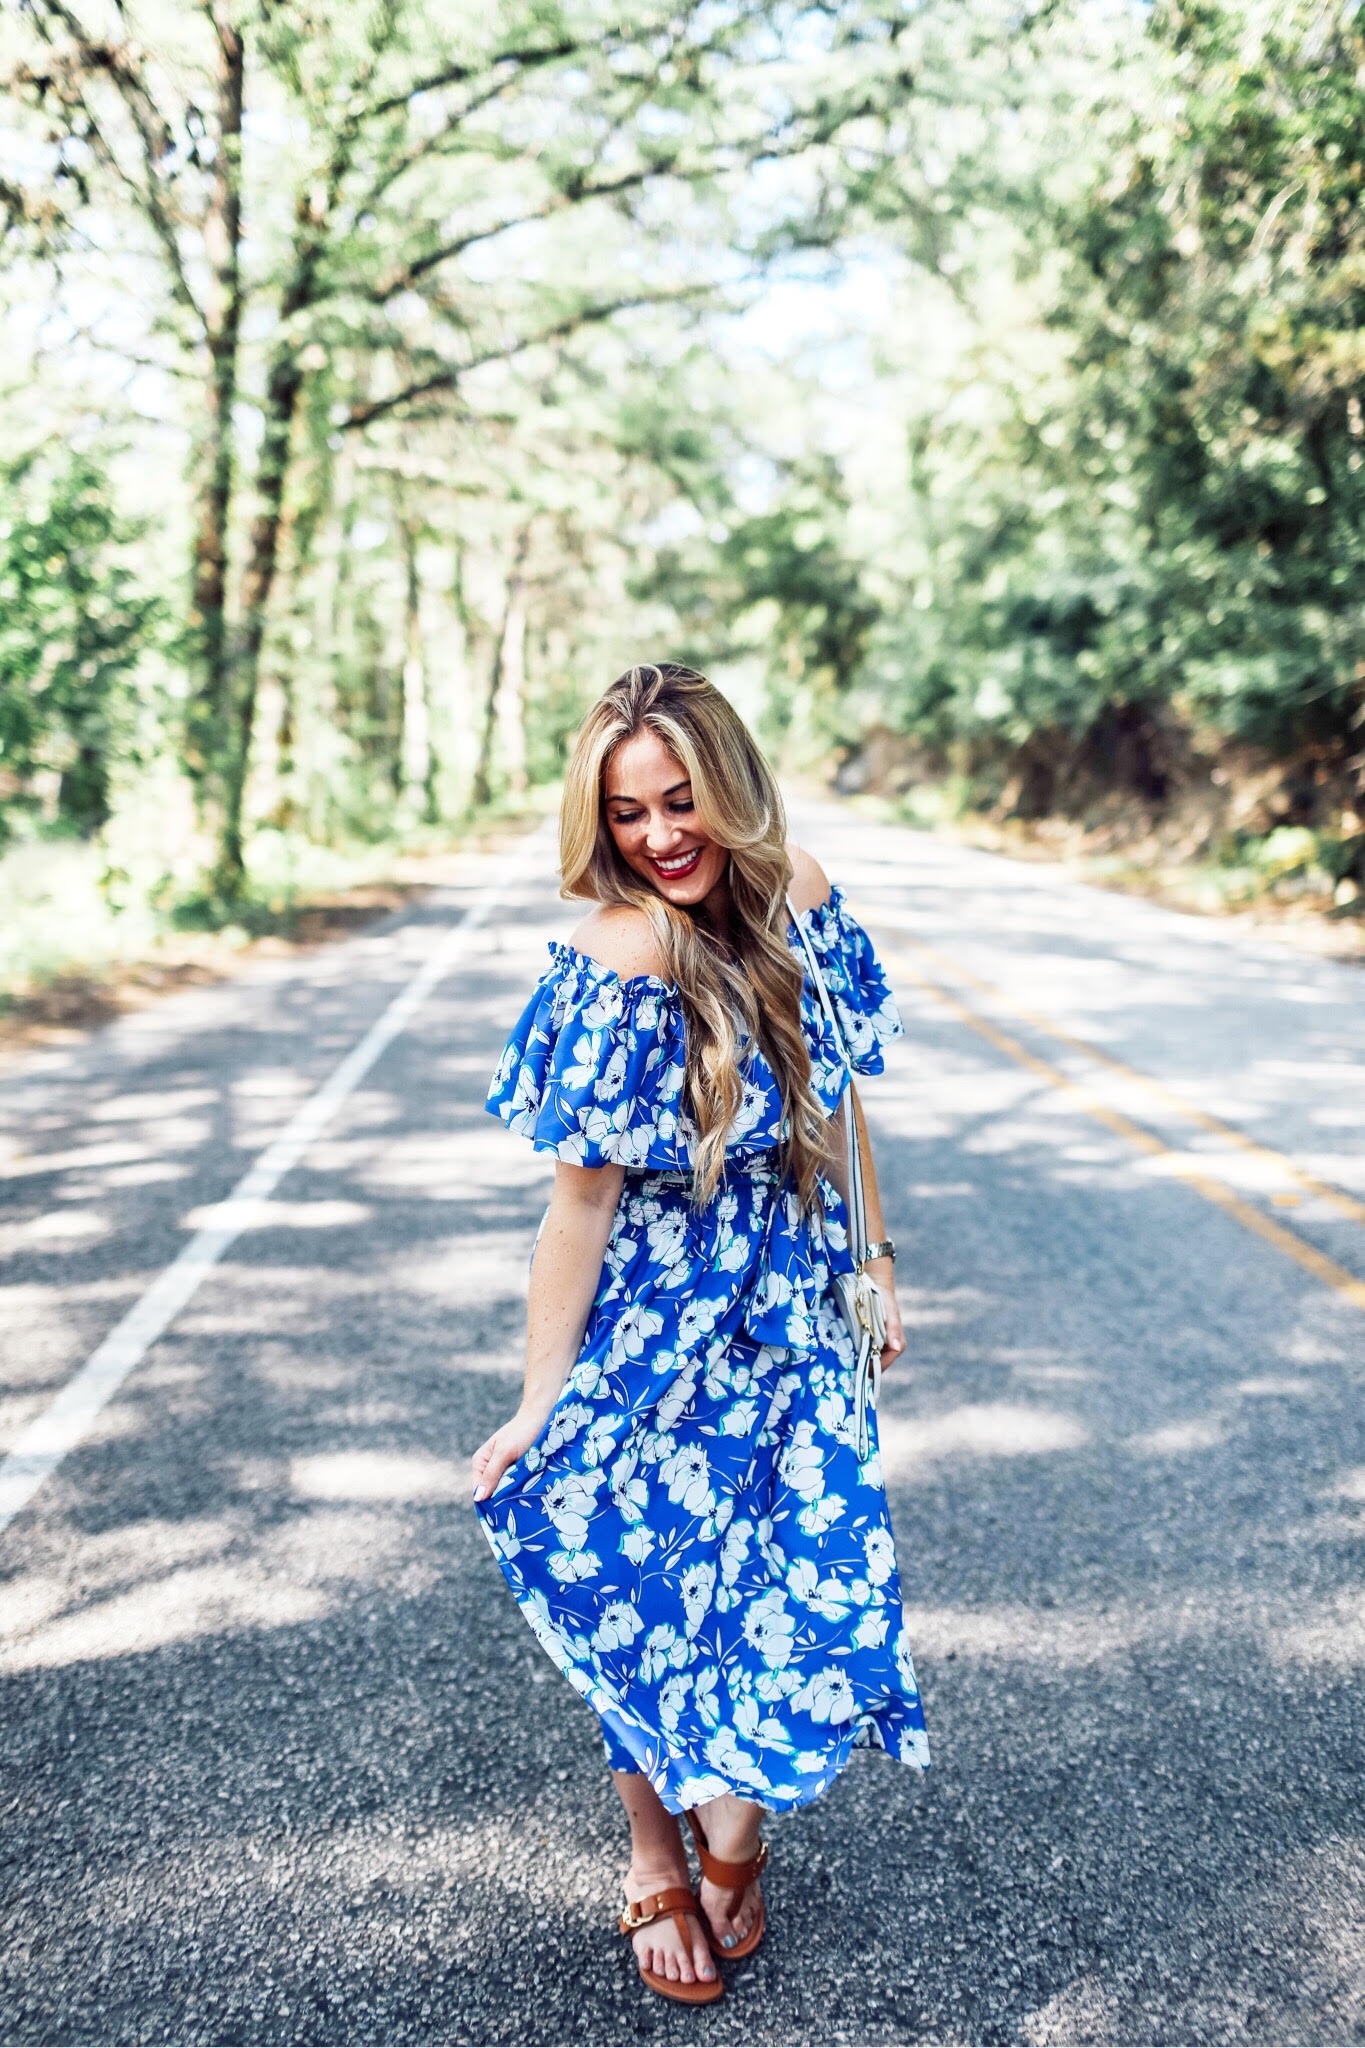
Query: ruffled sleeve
<point>593,1071</point>
<point>863,1003</point>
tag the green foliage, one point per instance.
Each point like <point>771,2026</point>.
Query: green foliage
<point>1168,528</point>
<point>74,626</point>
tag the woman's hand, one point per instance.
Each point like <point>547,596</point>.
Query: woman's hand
<point>883,1272</point>
<point>505,1446</point>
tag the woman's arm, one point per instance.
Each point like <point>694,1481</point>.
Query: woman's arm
<point>564,1275</point>
<point>882,1271</point>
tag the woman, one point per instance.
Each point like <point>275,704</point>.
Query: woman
<point>679,1504</point>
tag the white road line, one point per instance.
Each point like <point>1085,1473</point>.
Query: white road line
<point>68,1416</point>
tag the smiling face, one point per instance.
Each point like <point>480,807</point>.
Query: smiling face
<point>650,813</point>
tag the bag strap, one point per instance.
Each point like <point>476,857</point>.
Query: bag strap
<point>857,1199</point>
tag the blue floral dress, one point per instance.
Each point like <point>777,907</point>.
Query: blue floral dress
<point>692,1537</point>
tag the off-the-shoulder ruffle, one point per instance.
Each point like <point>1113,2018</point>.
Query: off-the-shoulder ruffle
<point>862,998</point>
<point>594,1069</point>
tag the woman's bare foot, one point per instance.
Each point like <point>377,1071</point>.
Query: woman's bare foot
<point>660,1947</point>
<point>731,1827</point>
<point>658,1863</point>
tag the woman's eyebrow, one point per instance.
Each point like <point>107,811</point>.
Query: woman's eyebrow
<point>617,796</point>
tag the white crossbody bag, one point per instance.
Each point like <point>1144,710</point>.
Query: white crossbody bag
<point>858,1295</point>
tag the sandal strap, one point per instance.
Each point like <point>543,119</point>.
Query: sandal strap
<point>644,1912</point>
<point>718,1871</point>
<point>737,1875</point>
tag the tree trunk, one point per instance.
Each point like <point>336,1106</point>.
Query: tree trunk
<point>284,382</point>
<point>282,393</point>
<point>209,715</point>
<point>418,770</point>
<point>508,658</point>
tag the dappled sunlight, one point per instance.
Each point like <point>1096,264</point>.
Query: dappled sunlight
<point>172,1608</point>
<point>154,1173</point>
<point>1085,2010</point>
<point>213,1578</point>
<point>323,1214</point>
<point>989,1429</point>
<point>924,1308</point>
<point>1175,1439</point>
<point>379,1476</point>
<point>165,1108</point>
<point>442,1272</point>
<point>54,1230</point>
<point>1329,1633</point>
<point>1064,1639</point>
<point>449,1166</point>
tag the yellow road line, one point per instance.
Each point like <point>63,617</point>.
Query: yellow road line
<point>1323,1190</point>
<point>1287,1241</point>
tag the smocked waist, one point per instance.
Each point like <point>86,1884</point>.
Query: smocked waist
<point>741,1166</point>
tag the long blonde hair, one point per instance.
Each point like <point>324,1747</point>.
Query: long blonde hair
<point>738,804</point>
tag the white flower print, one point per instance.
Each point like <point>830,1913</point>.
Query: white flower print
<point>600,1441</point>
<point>564,1426</point>
<point>827,1697</point>
<point>740,1419</point>
<point>583,1069</point>
<point>664,1650</point>
<point>687,1477</point>
<point>777,1685</point>
<point>612,1077</point>
<point>821,1514</point>
<point>769,1628</point>
<point>637,1543</point>
<point>568,1501</point>
<point>602,1009</point>
<point>801,1465</point>
<point>697,1583</point>
<point>831,1412</point>
<point>824,1596</point>
<point>668,1238</point>
<point>881,1555</point>
<point>571,1566</point>
<point>677,1400</point>
<point>870,1633</point>
<point>706,1698</point>
<point>698,1319</point>
<point>629,1490</point>
<point>618,1628</point>
<point>723,1750</point>
<point>632,1331</point>
<point>672,1694</point>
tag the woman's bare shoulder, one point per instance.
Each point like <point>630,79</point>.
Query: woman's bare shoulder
<point>810,883</point>
<point>619,937</point>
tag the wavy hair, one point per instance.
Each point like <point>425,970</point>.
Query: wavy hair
<point>758,987</point>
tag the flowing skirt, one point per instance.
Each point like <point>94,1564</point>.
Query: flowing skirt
<point>692,1537</point>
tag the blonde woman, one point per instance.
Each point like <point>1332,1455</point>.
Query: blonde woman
<point>679,1504</point>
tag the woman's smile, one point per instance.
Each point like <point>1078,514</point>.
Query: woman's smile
<point>679,864</point>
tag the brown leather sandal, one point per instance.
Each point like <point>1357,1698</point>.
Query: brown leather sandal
<point>739,1876</point>
<point>679,1904</point>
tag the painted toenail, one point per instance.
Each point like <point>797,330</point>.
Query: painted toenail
<point>727,1941</point>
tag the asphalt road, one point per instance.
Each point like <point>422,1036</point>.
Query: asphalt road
<point>281,1761</point>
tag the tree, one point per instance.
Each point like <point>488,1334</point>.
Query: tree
<point>316,197</point>
<point>73,630</point>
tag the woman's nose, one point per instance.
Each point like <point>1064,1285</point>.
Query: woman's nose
<point>660,834</point>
